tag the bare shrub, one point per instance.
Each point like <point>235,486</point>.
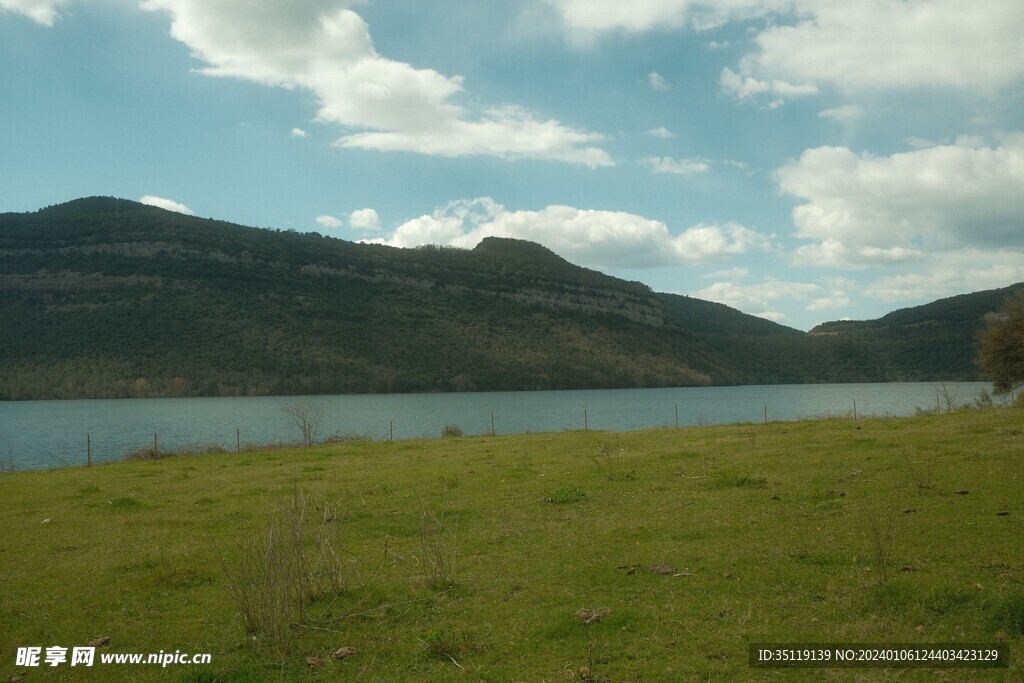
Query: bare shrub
<point>297,559</point>
<point>307,418</point>
<point>882,532</point>
<point>149,453</point>
<point>606,460</point>
<point>438,544</point>
<point>921,472</point>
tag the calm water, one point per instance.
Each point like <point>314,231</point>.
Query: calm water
<point>42,434</point>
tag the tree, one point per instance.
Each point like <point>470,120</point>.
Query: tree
<point>1001,346</point>
<point>306,417</point>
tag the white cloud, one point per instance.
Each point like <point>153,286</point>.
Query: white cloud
<point>660,132</point>
<point>168,204</point>
<point>509,132</point>
<point>864,209</point>
<point>324,47</point>
<point>760,298</point>
<point>829,303</point>
<point>43,12</point>
<point>298,133</point>
<point>676,166</point>
<point>599,239</point>
<point>658,81</point>
<point>766,297</point>
<point>757,295</point>
<point>586,20</point>
<point>745,87</point>
<point>950,273</point>
<point>364,219</point>
<point>847,114</point>
<point>329,222</point>
<point>887,44</point>
<point>809,44</point>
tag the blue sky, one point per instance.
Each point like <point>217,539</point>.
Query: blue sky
<point>801,160</point>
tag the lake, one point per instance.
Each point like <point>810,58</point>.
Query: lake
<point>43,434</point>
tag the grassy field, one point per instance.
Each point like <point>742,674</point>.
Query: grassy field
<point>576,556</point>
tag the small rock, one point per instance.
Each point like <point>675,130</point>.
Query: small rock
<point>919,629</point>
<point>45,521</point>
<point>344,652</point>
<point>662,569</point>
<point>314,662</point>
<point>99,641</point>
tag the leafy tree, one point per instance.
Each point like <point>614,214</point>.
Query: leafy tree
<point>1001,346</point>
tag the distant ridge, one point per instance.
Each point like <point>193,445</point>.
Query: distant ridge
<point>106,297</point>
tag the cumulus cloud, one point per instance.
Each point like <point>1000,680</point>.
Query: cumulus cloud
<point>658,81</point>
<point>329,222</point>
<point>587,20</point>
<point>864,209</point>
<point>746,87</point>
<point>599,239</point>
<point>660,132</point>
<point>364,219</point>
<point>760,299</point>
<point>948,273</point>
<point>298,133</point>
<point>807,45</point>
<point>886,44</point>
<point>41,11</point>
<point>168,204</point>
<point>676,166</point>
<point>324,47</point>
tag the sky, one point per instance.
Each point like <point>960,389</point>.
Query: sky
<point>800,160</point>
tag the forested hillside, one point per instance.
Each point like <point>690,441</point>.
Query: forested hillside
<point>937,341</point>
<point>106,298</point>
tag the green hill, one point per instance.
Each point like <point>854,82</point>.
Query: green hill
<point>936,341</point>
<point>103,297</point>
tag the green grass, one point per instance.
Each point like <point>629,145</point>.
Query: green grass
<point>468,559</point>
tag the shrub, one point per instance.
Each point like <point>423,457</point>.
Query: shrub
<point>451,430</point>
<point>297,559</point>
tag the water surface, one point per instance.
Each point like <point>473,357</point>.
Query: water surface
<point>41,434</point>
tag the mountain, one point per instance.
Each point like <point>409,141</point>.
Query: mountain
<point>936,341</point>
<point>102,297</point>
